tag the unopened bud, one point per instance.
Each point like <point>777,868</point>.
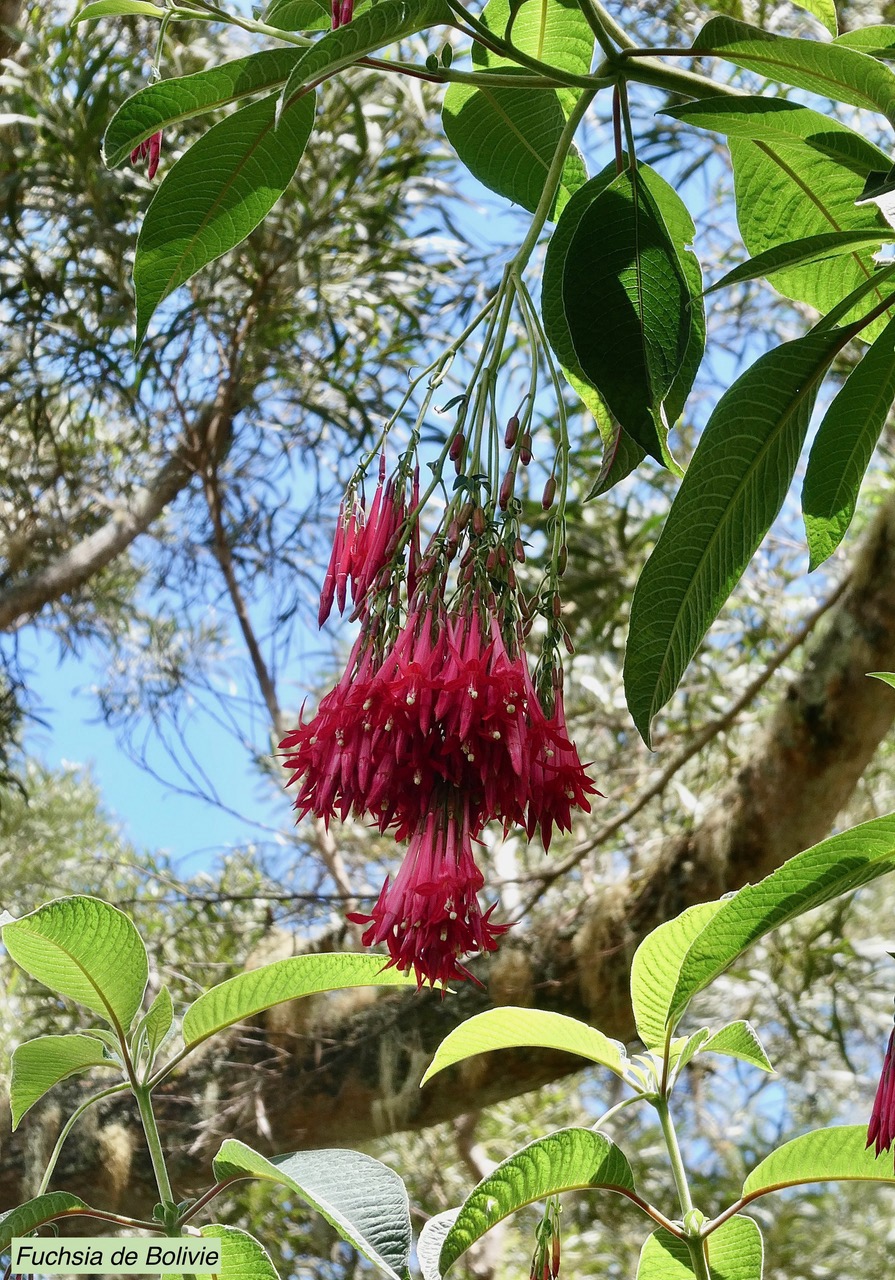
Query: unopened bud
<point>426,566</point>
<point>456,450</point>
<point>506,489</point>
<point>469,572</point>
<point>556,1253</point>
<point>549,493</point>
<point>562,559</point>
<point>567,641</point>
<point>556,605</point>
<point>478,521</point>
<point>519,551</point>
<point>491,561</point>
<point>525,449</point>
<point>466,558</point>
<point>512,432</point>
<point>464,516</point>
<point>511,577</point>
<point>502,556</point>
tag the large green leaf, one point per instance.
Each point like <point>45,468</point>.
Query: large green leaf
<point>242,1256</point>
<point>250,993</point>
<point>739,1040</point>
<point>878,40</point>
<point>828,69</point>
<point>554,31</point>
<point>823,872</point>
<point>361,1198</point>
<point>826,1155</point>
<point>734,1253</point>
<point>39,1064</point>
<point>507,139</point>
<point>554,316</point>
<point>656,967</point>
<point>789,191</point>
<point>170,102</point>
<point>801,252</point>
<point>34,1213</point>
<point>627,305</point>
<point>844,445</point>
<point>215,194</point>
<point>779,120</point>
<point>730,496</point>
<point>570,1160</point>
<point>511,1028</point>
<point>382,24</point>
<point>84,949</point>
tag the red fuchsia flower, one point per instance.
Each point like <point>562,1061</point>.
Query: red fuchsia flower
<point>881,1130</point>
<point>152,147</point>
<point>364,544</point>
<point>342,12</point>
<point>430,915</point>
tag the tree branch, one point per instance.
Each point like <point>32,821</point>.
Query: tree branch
<point>21,600</point>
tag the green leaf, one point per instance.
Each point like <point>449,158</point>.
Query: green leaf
<point>790,191</point>
<point>621,456</point>
<point>739,1040</point>
<point>735,1252</point>
<point>155,1023</point>
<point>844,445</point>
<point>656,966</point>
<point>557,329</point>
<point>363,1200</point>
<point>569,1160</point>
<point>887,677</point>
<point>823,872</point>
<point>684,1050</point>
<point>824,11</point>
<point>507,139</point>
<point>826,1155</point>
<point>382,24</point>
<point>118,9</point>
<point>34,1213</point>
<point>39,1064</point>
<point>242,1256</point>
<point>627,306</point>
<point>800,252</point>
<point>300,15</point>
<point>215,194</point>
<point>250,993</point>
<point>510,1028</point>
<point>779,120</point>
<point>828,69</point>
<point>877,40</point>
<point>554,31</point>
<point>84,949</point>
<point>730,496</point>
<point>431,1240</point>
<point>170,102</point>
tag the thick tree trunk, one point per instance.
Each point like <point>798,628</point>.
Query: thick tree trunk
<point>325,1073</point>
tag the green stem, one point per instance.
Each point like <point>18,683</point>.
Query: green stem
<point>551,184</point>
<point>605,28</point>
<point>66,1130</point>
<point>153,1141</point>
<point>250,24</point>
<point>695,1243</point>
<point>443,75</point>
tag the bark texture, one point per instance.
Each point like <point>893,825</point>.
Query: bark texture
<point>340,1071</point>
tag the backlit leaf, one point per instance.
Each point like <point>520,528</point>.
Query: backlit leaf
<point>38,1065</point>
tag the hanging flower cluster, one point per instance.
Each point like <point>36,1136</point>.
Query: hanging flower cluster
<point>437,726</point>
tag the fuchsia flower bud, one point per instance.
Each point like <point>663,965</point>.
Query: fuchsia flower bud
<point>152,147</point>
<point>881,1130</point>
